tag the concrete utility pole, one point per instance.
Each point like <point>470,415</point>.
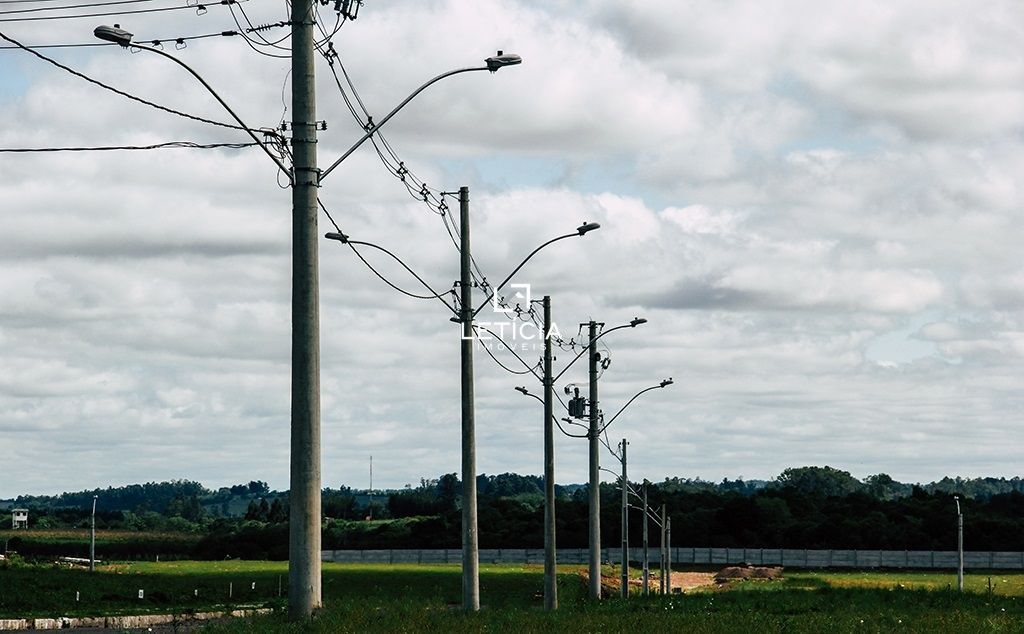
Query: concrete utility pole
<point>625,525</point>
<point>92,537</point>
<point>470,553</point>
<point>595,475</point>
<point>550,560</point>
<point>647,564</point>
<point>668,555</point>
<point>959,545</point>
<point>304,589</point>
<point>661,560</point>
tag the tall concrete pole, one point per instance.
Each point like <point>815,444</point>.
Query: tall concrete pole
<point>304,589</point>
<point>959,546</point>
<point>470,552</point>
<point>595,476</point>
<point>92,537</point>
<point>661,565</point>
<point>668,555</point>
<point>550,561</point>
<point>625,525</point>
<point>647,563</point>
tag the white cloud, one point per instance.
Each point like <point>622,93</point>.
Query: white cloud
<point>781,186</point>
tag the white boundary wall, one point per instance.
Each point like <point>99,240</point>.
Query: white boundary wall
<point>790,558</point>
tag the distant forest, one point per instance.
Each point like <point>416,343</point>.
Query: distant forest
<point>806,507</point>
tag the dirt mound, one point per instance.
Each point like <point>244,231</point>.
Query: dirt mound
<point>681,581</point>
<point>731,573</point>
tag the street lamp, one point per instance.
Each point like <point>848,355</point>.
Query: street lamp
<point>594,488</point>
<point>549,381</point>
<point>465,315</point>
<point>305,178</point>
<point>625,486</point>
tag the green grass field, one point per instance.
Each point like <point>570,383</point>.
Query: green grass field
<point>424,598</point>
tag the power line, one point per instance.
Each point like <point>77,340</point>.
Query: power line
<point>153,41</point>
<point>26,1</point>
<point>434,295</point>
<point>121,92</point>
<point>73,6</point>
<point>155,146</point>
<point>38,46</point>
<point>199,8</point>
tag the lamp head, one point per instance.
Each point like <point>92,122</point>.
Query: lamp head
<point>502,59</point>
<point>587,226</point>
<point>637,321</point>
<point>666,382</point>
<point>114,34</point>
<point>340,237</point>
<point>522,390</point>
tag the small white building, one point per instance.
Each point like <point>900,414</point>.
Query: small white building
<point>19,518</point>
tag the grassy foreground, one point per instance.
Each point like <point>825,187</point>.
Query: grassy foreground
<point>424,598</point>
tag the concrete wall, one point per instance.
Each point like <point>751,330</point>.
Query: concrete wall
<point>790,558</point>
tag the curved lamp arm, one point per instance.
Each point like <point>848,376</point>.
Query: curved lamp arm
<point>493,64</point>
<point>377,126</point>
<point>633,324</point>
<point>525,392</point>
<point>664,383</point>
<point>580,231</point>
<point>122,37</point>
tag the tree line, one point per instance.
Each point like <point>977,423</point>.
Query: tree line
<point>806,507</point>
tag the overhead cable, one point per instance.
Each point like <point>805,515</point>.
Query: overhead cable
<point>155,146</point>
<point>76,73</point>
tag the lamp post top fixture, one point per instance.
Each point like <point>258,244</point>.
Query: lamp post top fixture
<point>587,226</point>
<point>340,237</point>
<point>637,321</point>
<point>502,59</point>
<point>114,34</point>
<point>666,382</point>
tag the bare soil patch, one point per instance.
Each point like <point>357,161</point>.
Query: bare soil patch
<point>681,581</point>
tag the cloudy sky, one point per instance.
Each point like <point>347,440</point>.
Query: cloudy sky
<point>815,205</point>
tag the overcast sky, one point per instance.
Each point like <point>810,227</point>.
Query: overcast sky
<point>816,205</point>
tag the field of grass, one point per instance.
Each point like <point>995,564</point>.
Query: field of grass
<point>371,598</point>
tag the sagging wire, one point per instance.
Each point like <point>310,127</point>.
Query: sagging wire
<point>417,188</point>
<point>434,294</point>
<point>76,73</point>
<point>254,44</point>
<point>155,146</point>
<point>531,369</point>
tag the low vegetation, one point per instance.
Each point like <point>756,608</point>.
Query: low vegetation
<point>372,598</point>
